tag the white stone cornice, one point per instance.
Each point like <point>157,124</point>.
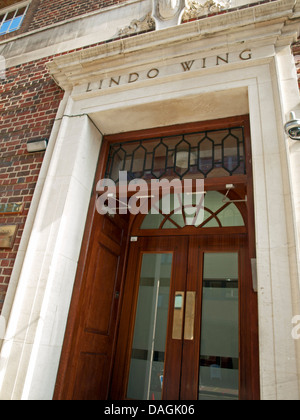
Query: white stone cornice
<point>266,24</point>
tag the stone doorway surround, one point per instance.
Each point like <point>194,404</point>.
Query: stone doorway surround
<point>230,64</point>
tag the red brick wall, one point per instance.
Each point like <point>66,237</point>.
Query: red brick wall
<point>42,13</point>
<point>29,100</point>
<point>53,11</point>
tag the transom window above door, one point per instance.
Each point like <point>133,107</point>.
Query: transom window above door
<point>210,210</point>
<point>205,154</point>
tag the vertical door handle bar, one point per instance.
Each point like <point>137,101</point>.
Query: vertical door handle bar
<point>189,321</point>
<point>178,316</point>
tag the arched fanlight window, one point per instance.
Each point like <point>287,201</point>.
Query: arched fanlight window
<point>211,210</point>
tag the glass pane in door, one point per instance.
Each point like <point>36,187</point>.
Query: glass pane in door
<point>219,349</point>
<point>150,332</point>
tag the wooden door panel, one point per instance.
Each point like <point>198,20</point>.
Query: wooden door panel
<point>171,381</point>
<point>90,363</point>
<point>248,316</point>
<point>181,370</point>
<point>249,363</point>
<point>88,358</point>
<point>102,291</point>
<point>199,246</point>
<point>112,228</point>
<point>191,348</point>
<point>91,376</point>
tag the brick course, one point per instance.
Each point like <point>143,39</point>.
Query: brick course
<point>29,100</point>
<point>50,12</point>
<point>42,13</point>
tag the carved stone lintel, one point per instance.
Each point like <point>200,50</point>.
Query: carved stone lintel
<point>138,25</point>
<point>168,13</point>
<point>198,8</point>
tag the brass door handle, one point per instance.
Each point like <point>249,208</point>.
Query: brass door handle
<point>189,321</point>
<point>178,316</point>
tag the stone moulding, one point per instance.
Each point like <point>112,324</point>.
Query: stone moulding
<point>136,26</point>
<point>193,9</point>
<point>196,8</point>
<point>281,28</point>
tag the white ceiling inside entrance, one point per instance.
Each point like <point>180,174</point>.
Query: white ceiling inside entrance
<point>206,106</point>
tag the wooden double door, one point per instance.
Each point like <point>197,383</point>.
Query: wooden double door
<point>167,317</point>
<point>188,324</point>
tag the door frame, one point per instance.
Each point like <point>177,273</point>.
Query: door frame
<point>247,303</point>
<point>157,245</point>
<point>210,184</point>
<point>183,349</point>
